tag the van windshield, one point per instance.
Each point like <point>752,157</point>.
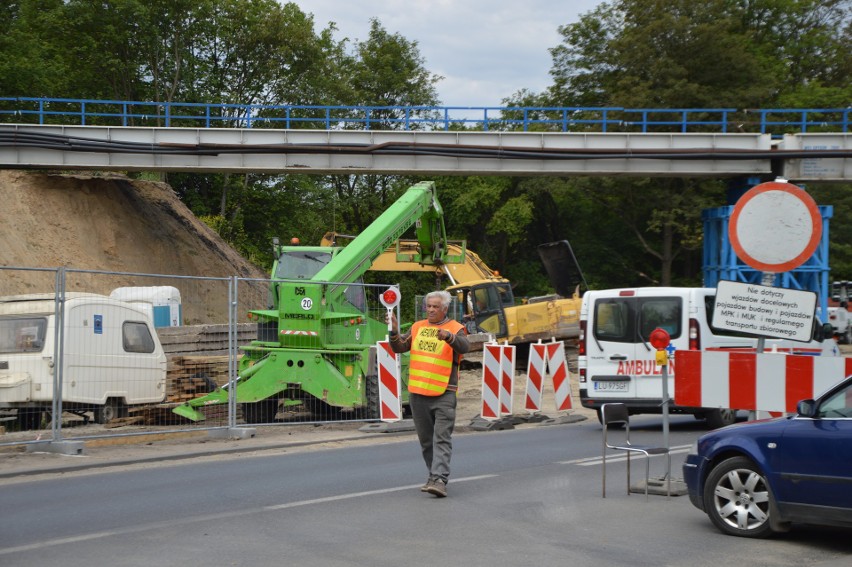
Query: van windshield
<point>22,334</point>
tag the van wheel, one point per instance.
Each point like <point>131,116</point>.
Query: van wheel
<point>720,417</point>
<point>112,409</point>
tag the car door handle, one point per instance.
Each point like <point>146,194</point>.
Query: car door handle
<point>618,357</point>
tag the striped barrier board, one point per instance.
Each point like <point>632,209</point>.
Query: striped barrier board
<point>491,370</point>
<point>559,374</point>
<point>536,370</point>
<point>547,359</point>
<point>390,406</point>
<point>507,379</point>
<point>768,382</point>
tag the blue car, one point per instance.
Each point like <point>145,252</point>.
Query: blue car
<point>757,478</point>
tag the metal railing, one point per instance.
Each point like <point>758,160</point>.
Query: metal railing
<point>85,112</point>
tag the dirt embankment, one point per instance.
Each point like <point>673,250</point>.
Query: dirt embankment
<point>106,223</point>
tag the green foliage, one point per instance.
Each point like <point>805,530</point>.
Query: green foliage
<point>708,54</point>
<point>840,228</point>
<point>631,53</point>
<point>687,54</point>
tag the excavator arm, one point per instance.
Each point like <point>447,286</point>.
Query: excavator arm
<point>460,264</point>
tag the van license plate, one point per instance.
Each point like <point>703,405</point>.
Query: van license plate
<point>611,386</point>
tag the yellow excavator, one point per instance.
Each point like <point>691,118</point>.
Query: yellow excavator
<point>484,301</point>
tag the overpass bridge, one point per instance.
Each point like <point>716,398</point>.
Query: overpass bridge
<point>803,145</point>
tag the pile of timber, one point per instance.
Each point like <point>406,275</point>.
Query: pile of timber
<point>188,377</point>
<point>203,339</point>
<point>197,363</point>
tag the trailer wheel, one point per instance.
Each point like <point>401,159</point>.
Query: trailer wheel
<point>29,418</point>
<point>114,408</point>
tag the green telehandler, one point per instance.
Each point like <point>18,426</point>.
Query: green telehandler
<point>315,345</point>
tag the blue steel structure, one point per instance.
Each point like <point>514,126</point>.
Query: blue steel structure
<point>721,263</point>
<point>775,121</point>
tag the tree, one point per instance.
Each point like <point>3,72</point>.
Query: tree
<point>385,70</point>
<point>31,62</point>
<point>388,71</point>
<point>686,54</point>
<point>708,54</point>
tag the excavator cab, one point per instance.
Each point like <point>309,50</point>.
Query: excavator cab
<point>484,306</point>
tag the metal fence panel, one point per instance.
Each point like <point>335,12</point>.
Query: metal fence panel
<point>135,354</point>
<point>28,351</point>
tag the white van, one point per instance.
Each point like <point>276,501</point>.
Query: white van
<point>112,356</point>
<point>616,362</point>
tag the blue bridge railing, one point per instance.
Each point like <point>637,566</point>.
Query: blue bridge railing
<point>89,112</point>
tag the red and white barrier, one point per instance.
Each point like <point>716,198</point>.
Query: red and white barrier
<point>507,379</point>
<point>536,370</point>
<point>498,380</point>
<point>544,359</point>
<point>757,382</point>
<point>390,386</point>
<point>558,369</point>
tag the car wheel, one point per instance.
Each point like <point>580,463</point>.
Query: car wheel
<point>720,417</point>
<point>737,498</point>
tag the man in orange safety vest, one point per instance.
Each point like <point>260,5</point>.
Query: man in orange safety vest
<point>437,344</point>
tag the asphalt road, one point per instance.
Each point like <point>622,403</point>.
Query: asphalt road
<point>518,497</point>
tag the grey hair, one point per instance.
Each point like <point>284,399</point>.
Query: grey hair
<point>444,296</point>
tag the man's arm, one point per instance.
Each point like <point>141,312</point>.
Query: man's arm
<point>400,342</point>
<point>457,341</point>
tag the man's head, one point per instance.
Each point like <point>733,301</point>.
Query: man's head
<point>436,304</point>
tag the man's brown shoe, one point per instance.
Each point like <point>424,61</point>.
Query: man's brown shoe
<point>438,488</point>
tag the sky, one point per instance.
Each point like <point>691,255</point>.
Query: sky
<point>486,50</point>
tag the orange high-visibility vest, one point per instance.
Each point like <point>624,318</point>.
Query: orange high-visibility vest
<point>431,358</point>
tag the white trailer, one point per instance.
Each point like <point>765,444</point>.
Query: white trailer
<point>112,357</point>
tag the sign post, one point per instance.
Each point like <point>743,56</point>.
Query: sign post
<point>389,378</point>
<point>660,340</point>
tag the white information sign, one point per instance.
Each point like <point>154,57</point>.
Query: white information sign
<point>764,311</point>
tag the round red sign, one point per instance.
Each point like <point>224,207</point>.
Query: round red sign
<point>390,297</point>
<point>775,227</point>
<point>659,338</point>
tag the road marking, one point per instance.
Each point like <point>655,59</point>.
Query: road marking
<point>218,516</point>
<point>366,493</point>
<point>591,461</point>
